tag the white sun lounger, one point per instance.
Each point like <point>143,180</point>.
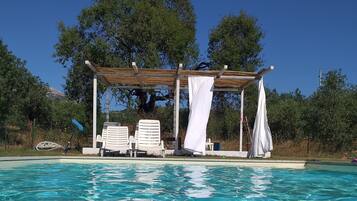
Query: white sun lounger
<point>116,140</point>
<point>147,138</point>
<point>101,138</point>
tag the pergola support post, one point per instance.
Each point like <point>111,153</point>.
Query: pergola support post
<point>177,108</point>
<point>94,111</point>
<point>241,120</point>
<point>107,104</point>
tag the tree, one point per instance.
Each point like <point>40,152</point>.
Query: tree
<point>17,85</point>
<point>286,115</point>
<point>235,42</point>
<point>154,34</point>
<point>34,105</point>
<point>22,95</point>
<point>332,113</point>
<point>353,113</point>
<point>11,81</point>
<point>62,112</point>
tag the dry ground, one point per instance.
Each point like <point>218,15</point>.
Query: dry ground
<point>286,150</point>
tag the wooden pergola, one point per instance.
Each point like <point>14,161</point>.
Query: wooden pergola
<point>140,78</point>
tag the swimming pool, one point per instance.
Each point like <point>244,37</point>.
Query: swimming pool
<point>105,181</point>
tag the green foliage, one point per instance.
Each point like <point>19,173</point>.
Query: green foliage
<point>236,42</point>
<point>125,117</point>
<point>154,34</point>
<point>352,101</point>
<point>62,112</point>
<point>327,117</point>
<point>332,113</point>
<point>22,95</point>
<point>223,124</point>
<point>35,105</point>
<point>250,103</point>
<point>286,115</point>
<point>12,73</point>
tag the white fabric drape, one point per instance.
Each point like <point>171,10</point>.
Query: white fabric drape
<point>200,99</point>
<point>261,139</point>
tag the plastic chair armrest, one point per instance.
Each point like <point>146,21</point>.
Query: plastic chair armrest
<point>99,138</point>
<point>162,145</point>
<point>131,141</point>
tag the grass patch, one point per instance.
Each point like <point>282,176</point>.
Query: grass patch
<point>23,151</point>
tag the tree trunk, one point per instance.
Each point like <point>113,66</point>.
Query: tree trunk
<point>308,144</point>
<point>148,106</point>
<point>29,136</point>
<point>6,138</point>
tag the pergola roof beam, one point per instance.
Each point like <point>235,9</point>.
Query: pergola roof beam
<point>225,67</point>
<point>172,76</point>
<point>178,69</point>
<point>165,87</point>
<point>230,77</point>
<point>265,71</point>
<point>137,74</point>
<point>259,75</point>
<point>168,72</point>
<point>88,63</point>
<point>224,79</point>
<point>93,68</point>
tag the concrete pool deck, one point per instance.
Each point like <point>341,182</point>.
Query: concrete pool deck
<point>8,162</point>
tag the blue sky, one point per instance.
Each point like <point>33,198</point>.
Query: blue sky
<point>300,36</point>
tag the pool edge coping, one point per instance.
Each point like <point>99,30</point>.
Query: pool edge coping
<point>293,164</point>
<point>290,164</point>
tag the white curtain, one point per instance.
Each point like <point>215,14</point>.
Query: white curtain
<point>200,99</point>
<point>261,139</point>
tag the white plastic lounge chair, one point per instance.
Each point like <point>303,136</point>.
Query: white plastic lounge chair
<point>209,144</point>
<point>101,138</point>
<point>147,138</point>
<point>116,140</point>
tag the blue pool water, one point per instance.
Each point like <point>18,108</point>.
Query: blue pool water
<point>70,181</point>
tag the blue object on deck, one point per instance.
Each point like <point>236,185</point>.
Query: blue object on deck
<point>77,125</point>
<point>216,146</point>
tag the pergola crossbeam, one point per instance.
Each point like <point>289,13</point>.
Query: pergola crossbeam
<point>137,74</point>
<point>260,74</point>
<point>166,88</point>
<point>93,68</point>
<point>231,77</point>
<point>225,67</point>
<point>90,66</point>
